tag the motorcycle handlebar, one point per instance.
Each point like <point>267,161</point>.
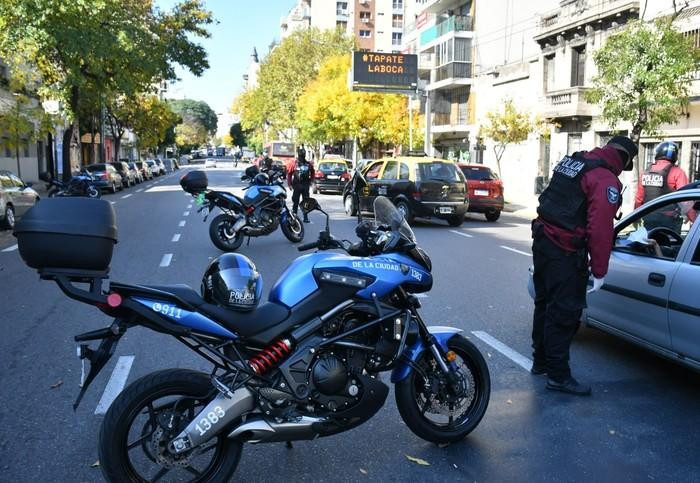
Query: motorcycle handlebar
<point>308,246</point>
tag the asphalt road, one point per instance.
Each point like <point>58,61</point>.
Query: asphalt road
<point>640,424</point>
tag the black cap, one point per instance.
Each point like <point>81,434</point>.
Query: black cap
<point>627,149</point>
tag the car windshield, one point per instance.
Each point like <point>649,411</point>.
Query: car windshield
<point>438,170</point>
<point>96,167</point>
<point>340,166</point>
<point>385,213</point>
<point>478,173</point>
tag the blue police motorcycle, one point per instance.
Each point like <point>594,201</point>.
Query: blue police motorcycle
<point>306,363</point>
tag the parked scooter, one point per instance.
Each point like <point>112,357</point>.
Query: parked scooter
<point>79,185</point>
<point>258,213</point>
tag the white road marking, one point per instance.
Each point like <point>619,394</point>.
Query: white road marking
<point>421,295</point>
<point>11,249</point>
<point>514,356</point>
<point>462,233</point>
<point>149,185</point>
<point>189,207</point>
<point>113,202</point>
<point>182,223</point>
<point>116,383</point>
<point>176,237</point>
<point>167,258</point>
<point>139,190</point>
<point>186,213</point>
<point>516,251</point>
<point>126,196</point>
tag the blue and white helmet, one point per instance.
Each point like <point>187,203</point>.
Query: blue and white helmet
<point>231,280</point>
<point>666,150</point>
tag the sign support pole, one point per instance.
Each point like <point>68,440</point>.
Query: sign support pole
<point>410,122</point>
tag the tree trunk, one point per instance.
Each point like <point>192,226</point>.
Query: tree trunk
<point>50,161</point>
<point>91,155</point>
<point>637,168</point>
<point>117,145</point>
<point>67,138</point>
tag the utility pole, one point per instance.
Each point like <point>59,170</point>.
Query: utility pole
<point>102,133</point>
<point>428,121</point>
<point>410,122</point>
<point>17,138</point>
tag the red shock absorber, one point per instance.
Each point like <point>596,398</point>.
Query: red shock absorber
<point>271,355</point>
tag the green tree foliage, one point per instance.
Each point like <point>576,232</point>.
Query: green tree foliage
<point>238,137</point>
<point>22,121</point>
<point>327,111</point>
<point>644,76</point>
<point>196,113</point>
<point>83,48</point>
<point>508,126</point>
<point>189,135</point>
<point>283,76</point>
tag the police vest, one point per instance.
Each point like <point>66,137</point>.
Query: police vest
<point>656,183</point>
<point>563,203</point>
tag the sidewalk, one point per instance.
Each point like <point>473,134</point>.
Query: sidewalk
<point>520,211</point>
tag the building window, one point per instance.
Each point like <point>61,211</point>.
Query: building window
<point>341,24</point>
<point>396,38</point>
<point>341,8</point>
<point>365,34</point>
<point>695,161</point>
<point>573,143</point>
<point>365,17</point>
<point>548,73</point>
<point>397,21</point>
<point>578,66</point>
<point>397,4</point>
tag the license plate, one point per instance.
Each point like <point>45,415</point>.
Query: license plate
<point>382,191</point>
<point>444,210</point>
<point>332,176</point>
<point>481,192</point>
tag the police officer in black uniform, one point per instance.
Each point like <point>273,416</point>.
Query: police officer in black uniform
<point>299,179</point>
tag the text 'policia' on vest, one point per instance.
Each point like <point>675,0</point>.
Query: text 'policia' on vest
<point>563,203</point>
<point>656,183</point>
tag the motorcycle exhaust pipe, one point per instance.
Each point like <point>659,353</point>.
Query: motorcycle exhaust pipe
<point>260,430</point>
<point>222,410</point>
<point>240,223</point>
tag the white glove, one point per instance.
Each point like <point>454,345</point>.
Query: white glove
<point>597,284</point>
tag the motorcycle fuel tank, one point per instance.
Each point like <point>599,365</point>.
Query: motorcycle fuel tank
<point>255,193</point>
<point>387,271</point>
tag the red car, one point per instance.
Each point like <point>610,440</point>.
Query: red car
<point>484,189</point>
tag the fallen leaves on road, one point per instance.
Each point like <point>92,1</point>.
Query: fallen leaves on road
<point>58,384</point>
<point>363,471</point>
<point>95,464</point>
<point>417,461</point>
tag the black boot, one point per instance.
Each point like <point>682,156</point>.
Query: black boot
<point>306,217</point>
<point>538,368</point>
<point>569,386</point>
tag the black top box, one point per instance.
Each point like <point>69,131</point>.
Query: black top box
<point>194,182</point>
<point>68,233</point>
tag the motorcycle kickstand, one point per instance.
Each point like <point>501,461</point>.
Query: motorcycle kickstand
<point>289,445</point>
<point>248,244</point>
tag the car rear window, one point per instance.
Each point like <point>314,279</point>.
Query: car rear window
<point>335,166</point>
<point>478,173</point>
<point>96,167</point>
<point>437,170</point>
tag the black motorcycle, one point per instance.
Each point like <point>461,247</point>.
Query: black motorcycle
<point>258,213</point>
<point>80,185</point>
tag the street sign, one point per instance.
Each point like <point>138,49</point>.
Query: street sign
<point>382,72</point>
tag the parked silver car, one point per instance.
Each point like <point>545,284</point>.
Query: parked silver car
<point>651,295</point>
<point>16,197</point>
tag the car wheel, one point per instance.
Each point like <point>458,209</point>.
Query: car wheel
<point>492,215</point>
<point>113,188</point>
<point>405,210</point>
<point>349,204</point>
<point>455,220</point>
<point>9,220</point>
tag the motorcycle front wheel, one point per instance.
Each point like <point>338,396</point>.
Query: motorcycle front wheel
<point>222,235</point>
<point>293,228</point>
<point>135,432</point>
<point>431,409</point>
<point>93,192</point>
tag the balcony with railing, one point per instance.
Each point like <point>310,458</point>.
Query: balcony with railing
<point>455,23</point>
<point>570,102</point>
<point>578,13</point>
<point>453,70</point>
<point>426,61</point>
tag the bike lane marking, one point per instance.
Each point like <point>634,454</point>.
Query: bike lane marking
<point>10,249</point>
<point>182,223</point>
<point>126,196</point>
<point>176,237</point>
<point>165,261</point>
<point>116,383</point>
<point>511,354</point>
<point>139,190</point>
<point>516,251</point>
<point>462,233</point>
<point>186,213</point>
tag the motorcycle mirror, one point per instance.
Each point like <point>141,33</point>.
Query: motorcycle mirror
<point>309,205</point>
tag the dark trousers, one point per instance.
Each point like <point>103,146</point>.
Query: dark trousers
<point>560,279</point>
<point>299,190</point>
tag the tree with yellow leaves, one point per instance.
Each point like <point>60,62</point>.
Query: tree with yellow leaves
<point>508,126</point>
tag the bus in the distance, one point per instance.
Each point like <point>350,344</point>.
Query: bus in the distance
<point>282,153</point>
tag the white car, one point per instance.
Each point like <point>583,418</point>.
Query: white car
<point>210,163</point>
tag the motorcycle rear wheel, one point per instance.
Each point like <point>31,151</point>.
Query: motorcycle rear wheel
<point>133,435</point>
<point>293,228</point>
<point>424,409</point>
<point>221,234</point>
<point>93,192</point>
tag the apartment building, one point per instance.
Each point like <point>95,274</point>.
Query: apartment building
<point>376,24</point>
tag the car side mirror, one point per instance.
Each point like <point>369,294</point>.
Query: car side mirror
<point>28,184</point>
<point>309,205</point>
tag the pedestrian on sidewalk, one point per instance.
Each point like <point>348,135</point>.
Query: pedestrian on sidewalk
<point>299,178</point>
<point>661,178</point>
<point>575,221</point>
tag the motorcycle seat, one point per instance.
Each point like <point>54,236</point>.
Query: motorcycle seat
<point>245,324</point>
